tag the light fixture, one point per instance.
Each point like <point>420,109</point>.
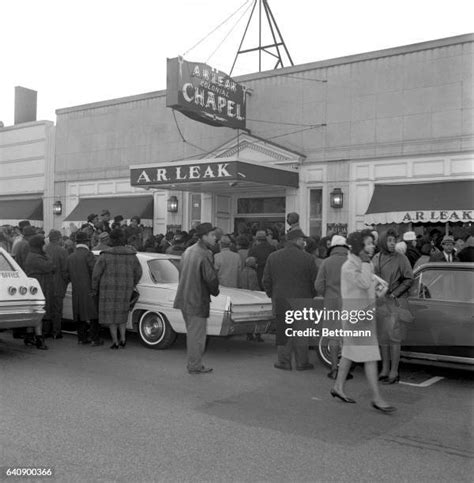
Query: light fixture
<point>337,198</point>
<point>57,208</point>
<point>172,204</point>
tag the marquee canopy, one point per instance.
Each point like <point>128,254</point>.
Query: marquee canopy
<point>440,202</point>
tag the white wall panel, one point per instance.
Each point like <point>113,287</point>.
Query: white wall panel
<point>428,168</point>
<point>396,170</point>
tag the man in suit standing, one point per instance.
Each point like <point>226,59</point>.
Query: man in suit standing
<point>447,255</point>
<point>290,273</point>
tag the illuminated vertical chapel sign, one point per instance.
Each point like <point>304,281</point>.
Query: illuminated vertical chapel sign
<point>205,94</point>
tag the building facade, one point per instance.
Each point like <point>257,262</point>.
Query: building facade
<point>27,173</point>
<point>345,126</point>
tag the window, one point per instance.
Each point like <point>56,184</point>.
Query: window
<point>5,265</point>
<point>164,271</point>
<point>452,285</point>
<point>315,212</point>
<point>195,207</point>
<point>261,205</point>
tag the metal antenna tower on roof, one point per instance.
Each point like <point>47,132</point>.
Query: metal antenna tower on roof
<point>278,42</point>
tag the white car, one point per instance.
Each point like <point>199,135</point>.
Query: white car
<point>233,311</point>
<point>21,298</point>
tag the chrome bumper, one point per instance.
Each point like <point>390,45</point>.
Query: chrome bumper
<point>17,315</point>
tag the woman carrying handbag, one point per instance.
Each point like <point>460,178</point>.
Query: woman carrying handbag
<point>395,269</point>
<point>359,288</point>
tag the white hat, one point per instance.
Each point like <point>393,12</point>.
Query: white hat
<point>409,236</point>
<point>338,241</point>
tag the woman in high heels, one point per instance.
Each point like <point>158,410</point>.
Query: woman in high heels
<point>115,274</point>
<point>358,291</point>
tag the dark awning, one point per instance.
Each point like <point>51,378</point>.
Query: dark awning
<point>127,206</point>
<point>21,209</point>
<point>212,175</point>
<point>447,201</point>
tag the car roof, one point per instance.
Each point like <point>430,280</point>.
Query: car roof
<point>447,266</point>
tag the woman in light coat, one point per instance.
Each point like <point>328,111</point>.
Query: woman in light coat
<point>358,292</point>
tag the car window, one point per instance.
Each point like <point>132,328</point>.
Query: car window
<point>452,285</point>
<point>5,265</point>
<point>164,271</point>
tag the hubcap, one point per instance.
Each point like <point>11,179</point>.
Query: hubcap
<point>152,328</point>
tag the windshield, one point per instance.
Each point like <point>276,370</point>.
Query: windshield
<point>164,271</point>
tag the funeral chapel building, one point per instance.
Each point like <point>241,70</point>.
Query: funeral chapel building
<point>382,138</point>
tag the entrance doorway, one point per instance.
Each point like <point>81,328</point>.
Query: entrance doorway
<point>252,224</point>
<point>260,213</point>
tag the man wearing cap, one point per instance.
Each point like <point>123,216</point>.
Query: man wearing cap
<point>80,266</point>
<point>447,255</point>
<point>328,285</point>
<point>261,251</point>
<point>228,264</point>
<point>290,273</point>
<point>412,253</point>
<point>197,282</point>
<point>104,242</point>
<point>23,246</point>
<point>58,255</point>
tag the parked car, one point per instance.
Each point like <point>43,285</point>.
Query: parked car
<point>441,300</point>
<point>21,299</point>
<point>234,311</point>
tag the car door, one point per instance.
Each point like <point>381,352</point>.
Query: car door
<point>442,304</point>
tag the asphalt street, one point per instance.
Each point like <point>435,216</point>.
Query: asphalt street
<point>136,415</point>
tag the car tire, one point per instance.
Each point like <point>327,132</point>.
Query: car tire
<point>154,331</point>
<point>324,351</point>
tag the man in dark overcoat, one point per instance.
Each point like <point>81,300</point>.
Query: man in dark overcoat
<point>38,265</point>
<point>290,273</point>
<point>58,256</point>
<point>261,252</point>
<point>80,266</point>
<point>197,282</point>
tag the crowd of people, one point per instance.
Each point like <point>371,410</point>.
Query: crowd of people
<point>286,265</point>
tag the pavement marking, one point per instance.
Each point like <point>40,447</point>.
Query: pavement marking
<point>427,383</point>
<point>316,399</point>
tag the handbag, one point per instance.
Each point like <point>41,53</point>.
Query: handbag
<point>134,298</point>
<point>403,313</point>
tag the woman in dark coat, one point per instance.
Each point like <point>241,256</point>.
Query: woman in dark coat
<point>115,274</point>
<point>38,265</point>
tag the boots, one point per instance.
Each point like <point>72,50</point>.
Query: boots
<point>39,342</point>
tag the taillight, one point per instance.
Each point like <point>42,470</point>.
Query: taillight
<point>23,290</point>
<point>12,290</point>
<point>33,290</point>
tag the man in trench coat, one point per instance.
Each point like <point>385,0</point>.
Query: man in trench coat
<point>290,273</point>
<point>80,265</point>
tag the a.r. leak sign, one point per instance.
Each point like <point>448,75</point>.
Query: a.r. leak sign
<point>205,94</point>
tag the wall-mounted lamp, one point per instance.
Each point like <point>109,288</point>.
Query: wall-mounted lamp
<point>57,208</point>
<point>172,204</point>
<point>337,198</point>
